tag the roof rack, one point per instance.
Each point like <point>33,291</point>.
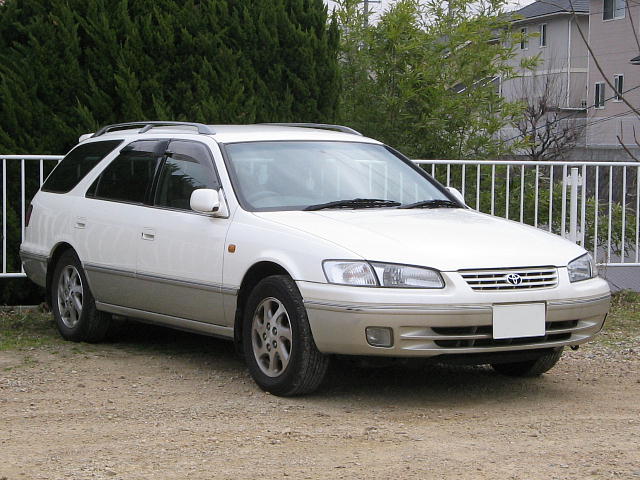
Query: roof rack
<point>146,126</point>
<point>324,126</point>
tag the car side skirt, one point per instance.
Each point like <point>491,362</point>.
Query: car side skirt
<point>168,321</point>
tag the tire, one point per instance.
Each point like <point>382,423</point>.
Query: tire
<point>73,305</point>
<point>279,349</point>
<point>529,368</point>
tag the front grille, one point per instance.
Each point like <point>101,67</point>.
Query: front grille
<point>482,336</point>
<point>525,278</point>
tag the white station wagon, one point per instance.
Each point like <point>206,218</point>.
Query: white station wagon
<point>299,243</point>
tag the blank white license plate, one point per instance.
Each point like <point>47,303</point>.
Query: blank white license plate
<point>519,320</point>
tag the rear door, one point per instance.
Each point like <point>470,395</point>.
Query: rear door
<point>180,251</point>
<point>108,222</point>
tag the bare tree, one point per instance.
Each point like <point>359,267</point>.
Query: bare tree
<point>548,131</point>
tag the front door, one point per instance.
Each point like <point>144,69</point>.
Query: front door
<point>180,252</point>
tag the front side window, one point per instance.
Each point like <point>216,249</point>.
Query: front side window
<point>599,99</point>
<point>129,176</point>
<point>75,166</point>
<point>618,82</point>
<point>297,175</point>
<point>613,9</point>
<point>188,166</point>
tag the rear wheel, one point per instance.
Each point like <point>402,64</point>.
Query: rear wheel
<point>279,348</point>
<point>530,368</point>
<point>73,305</point>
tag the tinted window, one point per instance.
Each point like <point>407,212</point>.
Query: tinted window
<point>75,166</point>
<point>189,166</point>
<point>128,178</point>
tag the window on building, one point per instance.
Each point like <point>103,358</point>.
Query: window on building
<point>543,35</point>
<point>524,40</point>
<point>613,9</point>
<point>599,100</point>
<point>618,83</point>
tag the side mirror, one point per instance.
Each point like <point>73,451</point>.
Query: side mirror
<point>205,200</point>
<point>456,193</point>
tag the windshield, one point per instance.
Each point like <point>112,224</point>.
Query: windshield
<point>308,175</point>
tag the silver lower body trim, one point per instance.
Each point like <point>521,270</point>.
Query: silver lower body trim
<point>435,308</point>
<point>35,266</point>
<point>180,282</point>
<point>168,320</point>
<point>431,330</point>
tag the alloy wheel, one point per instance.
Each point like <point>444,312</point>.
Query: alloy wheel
<point>271,337</point>
<point>70,293</point>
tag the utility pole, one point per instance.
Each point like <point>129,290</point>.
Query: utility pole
<point>366,9</point>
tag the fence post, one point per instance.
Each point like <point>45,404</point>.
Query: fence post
<point>574,180</point>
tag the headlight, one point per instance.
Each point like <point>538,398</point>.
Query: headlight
<point>582,268</point>
<point>381,274</point>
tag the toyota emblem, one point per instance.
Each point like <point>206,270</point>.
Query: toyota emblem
<point>514,279</point>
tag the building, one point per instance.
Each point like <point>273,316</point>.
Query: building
<point>551,33</point>
<point>614,69</point>
<point>576,89</point>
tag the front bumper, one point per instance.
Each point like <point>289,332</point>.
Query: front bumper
<point>452,321</point>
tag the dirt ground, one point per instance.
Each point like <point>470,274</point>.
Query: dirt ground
<point>164,405</point>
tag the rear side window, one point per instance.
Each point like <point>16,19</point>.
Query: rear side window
<point>129,176</point>
<point>75,166</point>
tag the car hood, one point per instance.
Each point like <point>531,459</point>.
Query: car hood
<point>443,238</point>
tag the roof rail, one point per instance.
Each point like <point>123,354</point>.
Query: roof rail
<point>324,126</point>
<point>146,126</point>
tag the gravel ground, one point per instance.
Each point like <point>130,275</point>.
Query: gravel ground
<point>159,404</point>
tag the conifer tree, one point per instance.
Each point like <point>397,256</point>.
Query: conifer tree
<point>70,66</point>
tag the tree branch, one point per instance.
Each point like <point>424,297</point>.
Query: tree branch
<point>597,63</point>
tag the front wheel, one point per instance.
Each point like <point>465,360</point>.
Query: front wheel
<point>530,368</point>
<point>72,303</point>
<point>278,344</point>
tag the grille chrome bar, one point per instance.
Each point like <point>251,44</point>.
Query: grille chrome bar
<point>524,278</point>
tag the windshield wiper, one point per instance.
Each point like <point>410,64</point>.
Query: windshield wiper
<point>355,203</point>
<point>432,204</point>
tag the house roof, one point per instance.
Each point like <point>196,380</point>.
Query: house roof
<point>543,8</point>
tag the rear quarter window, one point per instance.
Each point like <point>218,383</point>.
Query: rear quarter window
<point>75,166</point>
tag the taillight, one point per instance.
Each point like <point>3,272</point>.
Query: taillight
<point>27,215</point>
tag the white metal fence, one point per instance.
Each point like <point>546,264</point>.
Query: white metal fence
<point>22,175</point>
<point>595,204</point>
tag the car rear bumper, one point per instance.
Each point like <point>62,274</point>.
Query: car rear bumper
<point>442,327</point>
<point>35,266</point>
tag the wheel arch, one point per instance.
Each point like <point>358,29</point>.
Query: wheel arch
<point>251,278</point>
<point>56,253</point>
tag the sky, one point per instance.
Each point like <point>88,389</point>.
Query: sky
<point>378,7</point>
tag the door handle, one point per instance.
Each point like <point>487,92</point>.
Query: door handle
<point>81,222</point>
<point>149,234</point>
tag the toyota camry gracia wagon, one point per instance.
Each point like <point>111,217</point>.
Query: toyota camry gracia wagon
<point>299,244</point>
